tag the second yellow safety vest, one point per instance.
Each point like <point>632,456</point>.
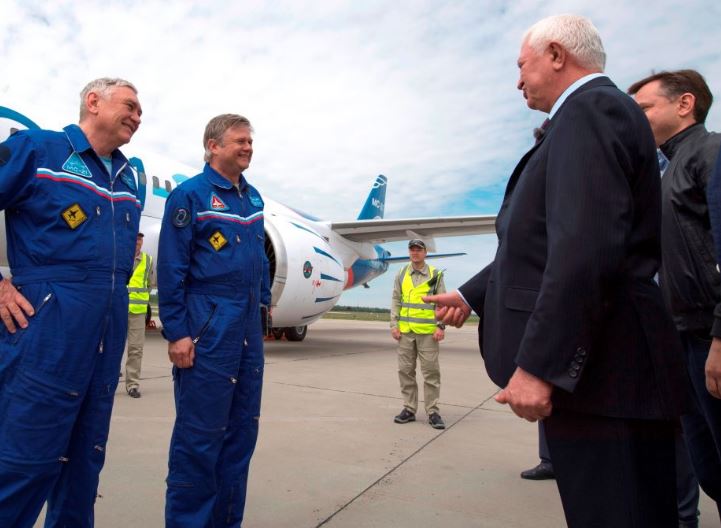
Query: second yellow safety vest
<point>415,315</point>
<point>138,288</point>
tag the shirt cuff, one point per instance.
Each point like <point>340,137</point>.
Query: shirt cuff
<point>463,298</point>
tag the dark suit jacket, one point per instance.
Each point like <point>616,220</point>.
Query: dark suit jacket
<point>570,296</point>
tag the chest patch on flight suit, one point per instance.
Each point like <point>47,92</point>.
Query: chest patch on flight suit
<point>129,181</point>
<point>74,216</point>
<point>216,204</point>
<point>75,165</point>
<point>256,200</point>
<point>217,240</point>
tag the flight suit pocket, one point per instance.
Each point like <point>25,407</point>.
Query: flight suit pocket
<point>71,221</point>
<point>521,299</point>
<point>40,306</point>
<point>250,379</point>
<point>38,418</point>
<point>203,330</point>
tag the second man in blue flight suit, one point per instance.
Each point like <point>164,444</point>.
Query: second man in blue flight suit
<point>212,279</point>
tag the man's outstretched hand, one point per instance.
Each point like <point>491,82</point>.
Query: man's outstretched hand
<point>451,309</point>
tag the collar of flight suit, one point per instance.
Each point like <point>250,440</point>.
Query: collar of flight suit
<point>79,141</point>
<point>221,181</point>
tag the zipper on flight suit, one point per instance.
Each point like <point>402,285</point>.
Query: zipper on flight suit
<point>45,301</point>
<point>111,179</point>
<point>205,326</point>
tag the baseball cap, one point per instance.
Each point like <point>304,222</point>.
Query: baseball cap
<point>417,242</point>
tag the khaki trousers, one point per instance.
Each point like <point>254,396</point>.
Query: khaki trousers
<point>423,347</point>
<point>136,340</point>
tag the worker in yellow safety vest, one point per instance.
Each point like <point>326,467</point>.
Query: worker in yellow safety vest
<point>414,326</point>
<point>141,280</point>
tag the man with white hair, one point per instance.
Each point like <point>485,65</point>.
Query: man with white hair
<point>72,215</point>
<point>573,326</point>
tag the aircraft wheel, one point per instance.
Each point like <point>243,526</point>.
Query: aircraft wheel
<point>296,333</point>
<point>277,333</point>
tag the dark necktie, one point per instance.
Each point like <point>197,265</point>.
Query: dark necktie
<point>538,132</point>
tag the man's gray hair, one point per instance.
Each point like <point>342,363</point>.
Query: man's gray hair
<point>102,87</point>
<point>575,33</point>
<point>217,126</point>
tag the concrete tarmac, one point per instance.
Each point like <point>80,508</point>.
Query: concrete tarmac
<point>329,453</point>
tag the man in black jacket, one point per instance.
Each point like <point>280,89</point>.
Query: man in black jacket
<point>676,104</point>
<point>573,325</point>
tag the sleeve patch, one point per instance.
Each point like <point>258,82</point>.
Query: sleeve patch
<point>181,217</point>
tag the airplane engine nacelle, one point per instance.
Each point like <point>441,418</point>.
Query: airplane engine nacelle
<point>306,274</point>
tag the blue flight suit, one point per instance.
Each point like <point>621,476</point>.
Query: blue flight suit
<point>212,278</point>
<point>71,231</point>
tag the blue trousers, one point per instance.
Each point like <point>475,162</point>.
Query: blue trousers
<point>217,404</point>
<point>57,382</point>
<point>702,428</point>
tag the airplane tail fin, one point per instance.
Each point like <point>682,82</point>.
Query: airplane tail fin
<point>375,203</point>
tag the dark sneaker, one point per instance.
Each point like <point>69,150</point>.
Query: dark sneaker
<point>134,393</point>
<point>436,421</point>
<point>404,417</point>
<point>543,471</point>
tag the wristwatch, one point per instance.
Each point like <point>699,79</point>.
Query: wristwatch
<point>441,326</point>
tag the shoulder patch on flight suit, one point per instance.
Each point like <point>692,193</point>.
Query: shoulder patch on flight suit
<point>217,240</point>
<point>4,154</point>
<point>255,199</point>
<point>75,165</point>
<point>74,216</point>
<point>181,217</point>
<point>216,204</point>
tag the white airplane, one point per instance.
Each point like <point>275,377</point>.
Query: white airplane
<point>311,261</point>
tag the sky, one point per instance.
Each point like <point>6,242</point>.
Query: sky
<point>423,92</point>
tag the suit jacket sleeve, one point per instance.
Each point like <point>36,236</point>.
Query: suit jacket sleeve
<point>589,169</point>
<point>474,290</point>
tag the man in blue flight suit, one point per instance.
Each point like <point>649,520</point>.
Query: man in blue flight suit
<point>71,215</point>
<point>212,281</point>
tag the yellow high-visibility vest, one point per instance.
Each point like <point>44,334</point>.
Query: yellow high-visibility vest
<point>138,289</point>
<point>415,315</point>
